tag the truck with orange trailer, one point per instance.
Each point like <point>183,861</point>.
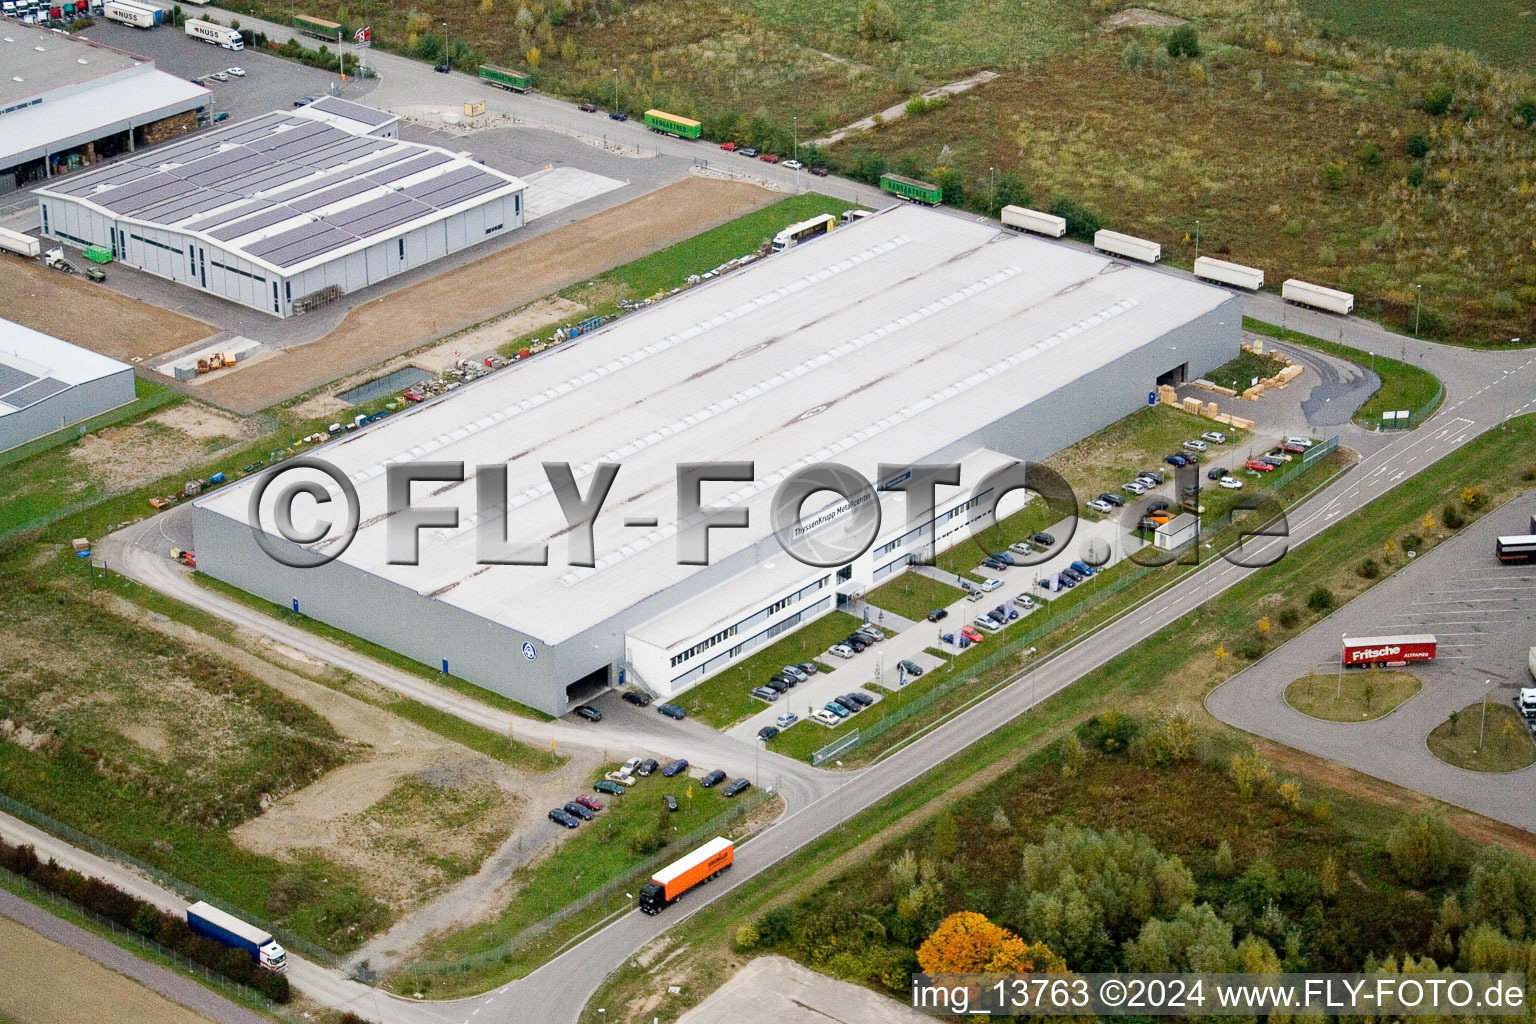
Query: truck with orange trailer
<point>668,884</point>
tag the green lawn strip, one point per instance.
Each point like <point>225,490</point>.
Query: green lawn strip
<point>1506,744</point>
<point>597,853</point>
<point>369,649</point>
<point>522,756</point>
<point>1403,385</point>
<point>1157,669</point>
<point>723,700</point>
<point>144,949</point>
<point>1239,374</point>
<point>912,596</point>
<point>1499,30</point>
<point>1343,698</point>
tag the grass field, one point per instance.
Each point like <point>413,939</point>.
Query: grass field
<point>913,596</point>
<point>1334,699</point>
<point>1403,385</point>
<point>1503,31</point>
<point>1506,744</point>
<point>725,699</point>
<point>1241,372</point>
<point>1177,665</point>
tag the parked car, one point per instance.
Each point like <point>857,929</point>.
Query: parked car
<point>736,788</point>
<point>1231,483</point>
<point>1101,506</point>
<point>1022,548</point>
<point>442,69</point>
<point>219,76</point>
<point>620,776</point>
<point>672,711</point>
<point>237,72</point>
<point>1276,459</point>
<point>1176,460</point>
<point>671,802</point>
<point>1084,568</point>
<point>1294,449</point>
<point>766,694</point>
<point>786,720</point>
<point>618,115</point>
<point>1215,473</point>
<point>778,684</point>
<point>1196,446</point>
<point>848,704</point>
<point>1134,487</point>
<point>302,100</point>
<point>713,779</point>
<point>1189,490</point>
<point>767,733</point>
<point>1148,481</point>
<point>630,766</point>
<point>819,171</point>
<point>971,634</point>
<point>1042,540</point>
<point>992,563</point>
<point>220,115</point>
<point>1027,600</point>
<point>1073,575</point>
<point>769,158</point>
<point>808,667</point>
<point>1065,580</point>
<point>729,147</point>
<point>833,707</point>
<point>559,817</point>
<point>793,671</point>
<point>1156,506</point>
<point>840,651</point>
<point>989,585</point>
<point>975,595</point>
<point>826,718</point>
<point>875,633</point>
<point>988,623</point>
<point>674,768</point>
<point>590,713</point>
<point>575,810</point>
<point>1004,557</point>
<point>637,698</point>
<point>1157,476</point>
<point>1259,465</point>
<point>588,108</point>
<point>793,165</point>
<point>1215,437</point>
<point>1110,498</point>
<point>937,614</point>
<point>747,151</point>
<point>857,642</point>
<point>863,700</point>
<point>646,767</point>
<point>589,803</point>
<point>611,788</point>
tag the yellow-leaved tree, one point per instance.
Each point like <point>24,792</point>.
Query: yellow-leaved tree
<point>967,943</point>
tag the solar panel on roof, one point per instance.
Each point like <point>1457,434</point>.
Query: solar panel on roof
<point>335,194</point>
<point>185,206</point>
<point>35,392</point>
<point>223,166</point>
<point>466,188</point>
<point>409,167</point>
<point>379,214</point>
<point>294,236</point>
<point>355,111</point>
<point>236,207</point>
<point>244,226</point>
<point>265,179</point>
<point>301,249</point>
<point>139,195</point>
<point>343,152</point>
<point>12,377</point>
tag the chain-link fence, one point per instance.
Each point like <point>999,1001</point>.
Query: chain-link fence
<point>192,893</point>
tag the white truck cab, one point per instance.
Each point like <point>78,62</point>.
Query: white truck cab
<point>1527,701</point>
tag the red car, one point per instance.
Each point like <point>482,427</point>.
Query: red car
<point>769,158</point>
<point>1294,449</point>
<point>1257,466</point>
<point>971,634</point>
<point>820,172</point>
<point>589,803</point>
<point>729,147</point>
<point>413,395</point>
<point>588,108</point>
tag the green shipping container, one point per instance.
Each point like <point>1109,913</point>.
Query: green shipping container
<point>506,78</point>
<point>911,188</point>
<point>672,124</point>
<point>98,254</point>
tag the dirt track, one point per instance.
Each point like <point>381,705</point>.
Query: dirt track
<point>91,315</point>
<point>513,277</point>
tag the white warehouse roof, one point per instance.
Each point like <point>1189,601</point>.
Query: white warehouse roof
<point>35,366</point>
<point>882,342</point>
<point>288,191</point>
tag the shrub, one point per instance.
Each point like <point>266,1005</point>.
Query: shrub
<point>1368,569</point>
<point>1321,599</point>
<point>1250,773</point>
<point>1412,542</point>
<point>1081,221</point>
<point>1422,848</point>
<point>1416,177</point>
<point>1172,738</point>
<point>1225,862</point>
<point>1452,517</point>
<point>1288,617</point>
<point>1437,100</point>
<point>1108,732</point>
<point>1416,145</point>
<point>1333,174</point>
<point>1474,497</point>
<point>1370,155</point>
<point>1525,108</point>
<point>878,23</point>
<point>1184,41</point>
<point>746,937</point>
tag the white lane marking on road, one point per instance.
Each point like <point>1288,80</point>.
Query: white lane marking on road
<point>1398,477</point>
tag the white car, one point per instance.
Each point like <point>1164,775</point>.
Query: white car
<point>1135,487</point>
<point>237,72</point>
<point>1100,506</point>
<point>1196,446</point>
<point>826,718</point>
<point>1215,437</point>
<point>989,585</point>
<point>630,766</point>
<point>1025,601</point>
<point>1021,548</point>
<point>621,778</point>
<point>841,651</point>
<point>1231,483</point>
<point>793,165</point>
<point>987,623</point>
<point>219,76</point>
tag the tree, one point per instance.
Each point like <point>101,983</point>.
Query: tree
<point>1437,100</point>
<point>967,943</point>
<point>1172,738</point>
<point>1455,717</point>
<point>878,23</point>
<point>1009,191</point>
<point>1525,110</point>
<point>532,57</point>
<point>1328,878</point>
<point>1184,41</point>
<point>1369,693</point>
<point>1422,848</point>
<point>1225,862</point>
<point>1416,145</point>
<point>1072,757</point>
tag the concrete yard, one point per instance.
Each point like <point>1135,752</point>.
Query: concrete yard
<point>776,990</point>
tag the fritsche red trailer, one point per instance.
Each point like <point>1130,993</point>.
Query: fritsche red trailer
<point>1389,650</point>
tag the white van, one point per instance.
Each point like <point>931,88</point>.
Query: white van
<point>1527,701</point>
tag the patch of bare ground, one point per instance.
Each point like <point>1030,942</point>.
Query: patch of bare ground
<point>1139,17</point>
<point>159,445</point>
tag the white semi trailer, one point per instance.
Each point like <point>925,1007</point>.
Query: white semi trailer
<point>1040,223</point>
<point>219,35</point>
<point>1128,246</point>
<point>1305,293</point>
<point>1223,272</point>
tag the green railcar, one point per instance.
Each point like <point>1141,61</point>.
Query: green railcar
<point>912,189</point>
<point>672,124</point>
<point>505,78</point>
<point>317,27</point>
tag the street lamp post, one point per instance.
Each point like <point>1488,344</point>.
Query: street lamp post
<point>1487,689</point>
<point>1343,641</point>
<point>1197,239</point>
<point>794,135</point>
<point>992,193</point>
<point>615,89</point>
<point>1418,304</point>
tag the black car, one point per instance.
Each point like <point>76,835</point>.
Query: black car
<point>846,702</point>
<point>819,171</point>
<point>737,787</point>
<point>1043,540</point>
<point>618,115</point>
<point>864,700</point>
<point>637,698</point>
<point>590,713</point>
<point>1073,575</point>
<point>1112,499</point>
<point>1215,473</point>
<point>646,767</point>
<point>671,802</point>
<point>778,684</point>
<point>937,614</point>
<point>858,643</point>
<point>714,778</point>
<point>767,732</point>
<point>1156,506</point>
<point>559,817</point>
<point>672,711</point>
<point>911,668</point>
<point>576,810</point>
<point>993,564</point>
<point>674,767</point>
<point>441,69</point>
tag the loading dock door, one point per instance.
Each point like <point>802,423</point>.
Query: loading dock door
<point>1174,377</point>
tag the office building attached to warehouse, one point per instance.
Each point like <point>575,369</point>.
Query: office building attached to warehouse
<point>287,211</point>
<point>47,384</point>
<point>908,337</point>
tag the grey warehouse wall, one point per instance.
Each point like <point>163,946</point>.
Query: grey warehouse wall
<point>78,403</point>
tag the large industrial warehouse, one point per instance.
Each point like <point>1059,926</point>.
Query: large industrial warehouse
<point>67,103</point>
<point>47,384</point>
<point>287,211</point>
<point>910,336</point>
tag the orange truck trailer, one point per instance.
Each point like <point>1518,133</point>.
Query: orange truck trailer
<point>668,884</point>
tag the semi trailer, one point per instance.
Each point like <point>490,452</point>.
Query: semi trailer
<point>667,886</point>
<point>1304,293</point>
<point>1041,223</point>
<point>317,27</point>
<point>911,189</point>
<point>219,35</point>
<point>127,13</point>
<point>672,124</point>
<point>1388,650</point>
<point>1223,272</point>
<point>505,78</point>
<point>212,923</point>
<point>1128,246</point>
<point>20,244</point>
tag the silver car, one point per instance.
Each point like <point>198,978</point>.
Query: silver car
<point>840,651</point>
